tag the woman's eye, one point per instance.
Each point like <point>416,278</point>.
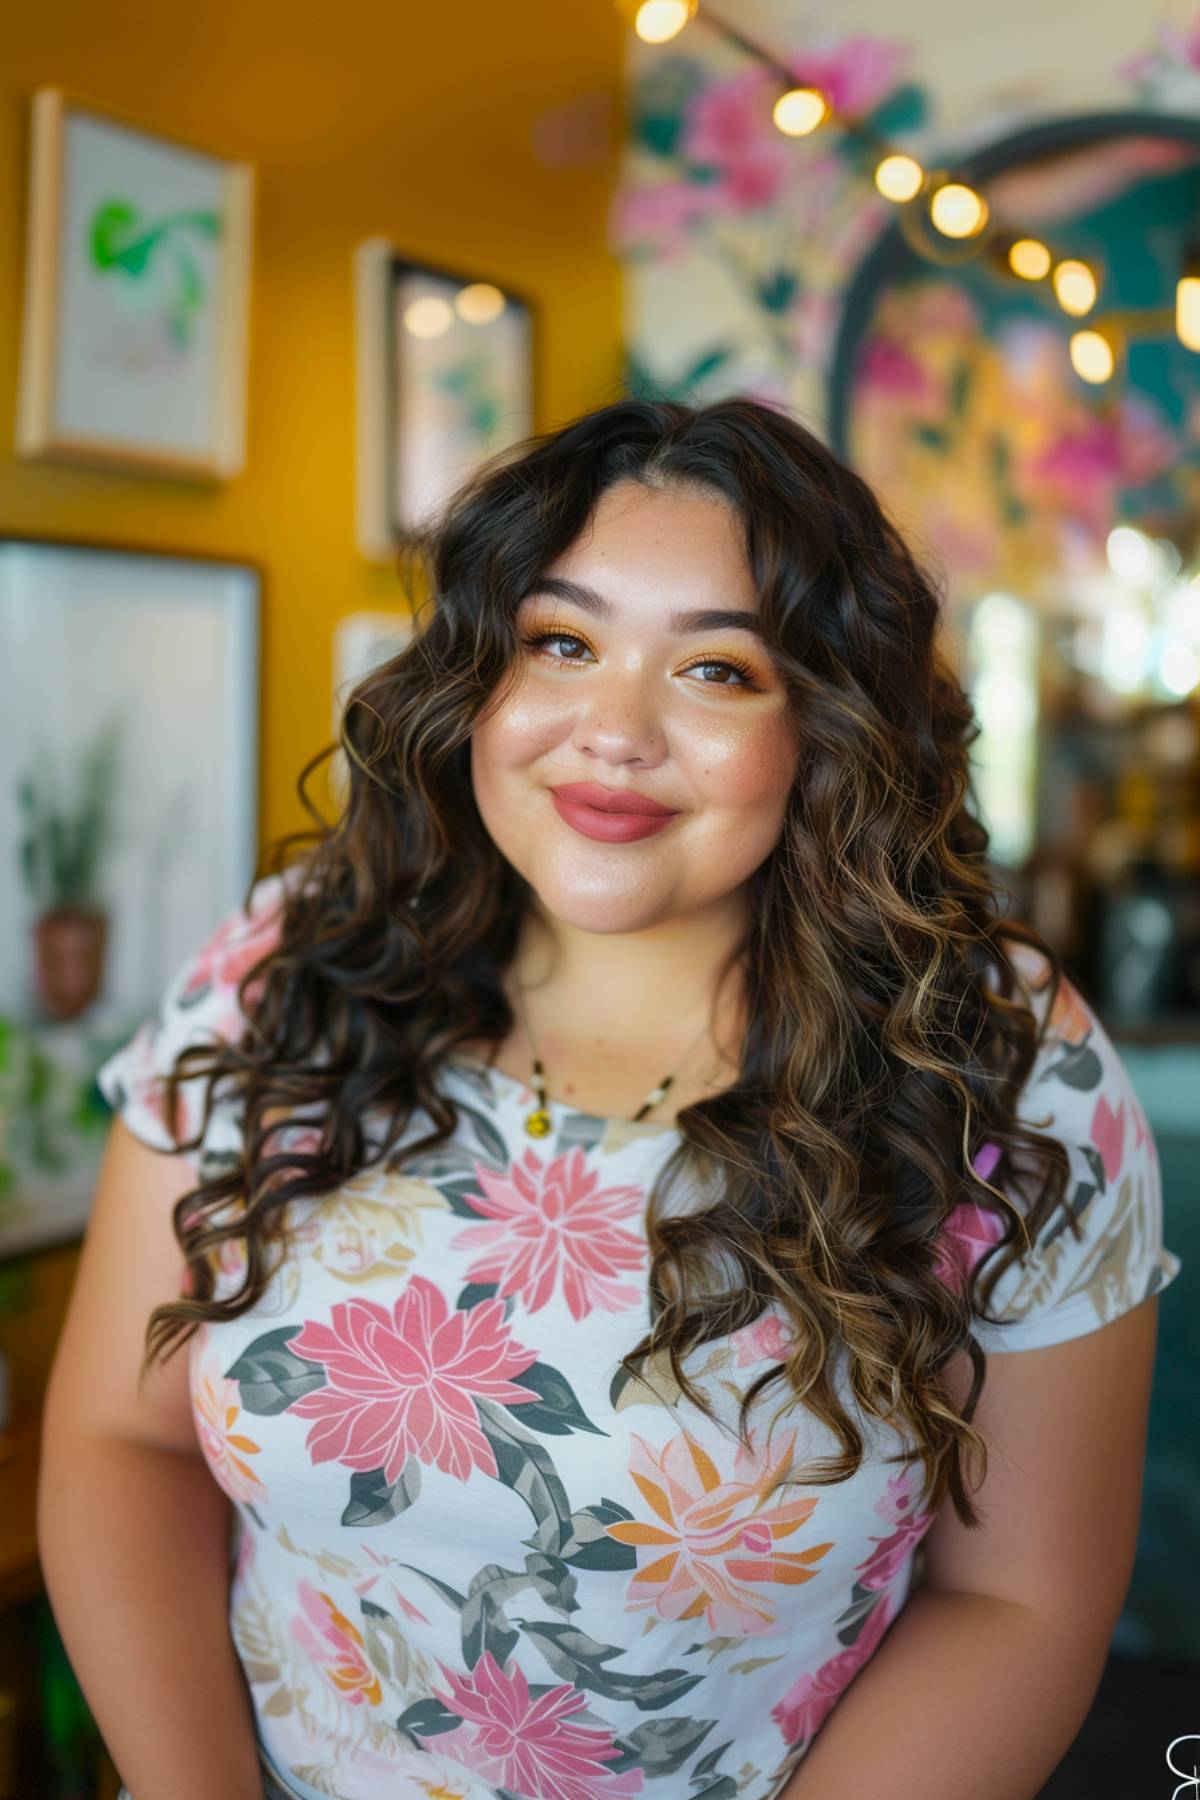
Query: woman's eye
<point>745,676</point>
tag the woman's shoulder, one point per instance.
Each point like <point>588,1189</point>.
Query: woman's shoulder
<point>1079,1092</point>
<point>201,1005</point>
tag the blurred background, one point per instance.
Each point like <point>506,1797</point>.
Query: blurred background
<point>272,279</point>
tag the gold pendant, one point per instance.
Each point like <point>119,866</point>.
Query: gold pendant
<point>537,1124</point>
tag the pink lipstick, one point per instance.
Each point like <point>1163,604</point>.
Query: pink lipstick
<point>612,815</point>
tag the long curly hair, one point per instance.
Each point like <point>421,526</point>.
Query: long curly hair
<point>889,1035</point>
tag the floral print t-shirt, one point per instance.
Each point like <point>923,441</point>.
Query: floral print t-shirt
<point>472,1559</point>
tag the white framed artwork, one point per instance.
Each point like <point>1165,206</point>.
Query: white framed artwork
<point>445,376</point>
<point>136,307</point>
<point>129,819</point>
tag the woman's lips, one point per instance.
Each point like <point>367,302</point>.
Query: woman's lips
<point>609,827</point>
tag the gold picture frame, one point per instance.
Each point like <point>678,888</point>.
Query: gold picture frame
<point>135,330</point>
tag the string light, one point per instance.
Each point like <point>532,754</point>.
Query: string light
<point>1187,311</point>
<point>958,211</point>
<point>479,302</point>
<point>899,177</point>
<point>658,21</point>
<point>427,317</point>
<point>800,111</point>
<point>1092,356</point>
<point>1030,259</point>
<point>1074,287</point>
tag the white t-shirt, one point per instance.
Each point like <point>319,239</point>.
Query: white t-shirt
<point>473,1558</point>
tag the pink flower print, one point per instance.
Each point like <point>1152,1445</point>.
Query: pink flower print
<point>554,1222</point>
<point>216,1403</point>
<point>1108,1135</point>
<point>967,1233</point>
<point>766,1339</point>
<point>885,1562</point>
<point>144,1082</point>
<point>805,1706</point>
<point>714,1537</point>
<point>529,1746</point>
<point>239,942</point>
<point>406,1382</point>
<point>336,1646</point>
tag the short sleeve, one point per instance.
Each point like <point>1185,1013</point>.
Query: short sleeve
<point>1079,1091</point>
<point>200,1006</point>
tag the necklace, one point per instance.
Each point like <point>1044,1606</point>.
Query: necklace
<point>537,1123</point>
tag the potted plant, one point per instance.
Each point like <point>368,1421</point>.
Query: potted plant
<point>62,855</point>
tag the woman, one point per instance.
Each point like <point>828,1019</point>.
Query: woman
<point>608,1154</point>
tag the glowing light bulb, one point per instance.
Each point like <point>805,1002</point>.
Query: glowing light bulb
<point>658,21</point>
<point>1029,259</point>
<point>428,317</point>
<point>800,111</point>
<point>1129,553</point>
<point>1187,311</point>
<point>958,211</point>
<point>1092,356</point>
<point>899,177</point>
<point>1074,288</point>
<point>479,303</point>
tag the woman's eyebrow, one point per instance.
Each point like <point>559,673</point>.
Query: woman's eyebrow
<point>588,600</point>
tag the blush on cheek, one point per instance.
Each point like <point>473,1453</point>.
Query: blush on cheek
<point>754,769</point>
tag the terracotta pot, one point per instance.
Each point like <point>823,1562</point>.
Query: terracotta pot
<point>69,944</point>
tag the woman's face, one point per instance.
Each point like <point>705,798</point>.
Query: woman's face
<point>627,696</point>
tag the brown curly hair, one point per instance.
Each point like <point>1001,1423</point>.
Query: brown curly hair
<point>889,1033</point>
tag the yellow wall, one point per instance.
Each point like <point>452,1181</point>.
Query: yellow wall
<point>414,122</point>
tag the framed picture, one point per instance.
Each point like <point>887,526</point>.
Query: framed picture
<point>445,379</point>
<point>134,339</point>
<point>129,705</point>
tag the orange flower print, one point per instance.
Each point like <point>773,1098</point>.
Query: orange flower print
<point>552,1222</point>
<point>1070,1019</point>
<point>714,1537</point>
<point>336,1646</point>
<point>216,1404</point>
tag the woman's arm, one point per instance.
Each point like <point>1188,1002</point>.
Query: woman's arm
<point>132,1528</point>
<point>982,1683</point>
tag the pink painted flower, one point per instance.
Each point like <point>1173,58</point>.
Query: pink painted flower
<point>729,118</point>
<point>713,1536</point>
<point>803,1709</point>
<point>529,1746</point>
<point>890,367</point>
<point>728,129</point>
<point>553,1222</point>
<point>856,74</point>
<point>336,1646</point>
<point>216,1403</point>
<point>405,1382</point>
<point>766,1339</point>
<point>660,213</point>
